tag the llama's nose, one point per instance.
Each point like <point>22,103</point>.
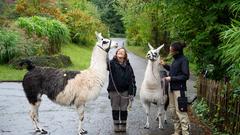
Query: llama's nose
<point>116,45</point>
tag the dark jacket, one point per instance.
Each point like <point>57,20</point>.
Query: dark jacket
<point>179,72</point>
<point>123,77</point>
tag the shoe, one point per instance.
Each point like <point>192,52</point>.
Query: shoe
<point>177,133</point>
<point>116,127</point>
<point>123,127</point>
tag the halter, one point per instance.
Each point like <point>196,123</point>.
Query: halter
<point>152,60</point>
<point>107,50</point>
<point>153,56</point>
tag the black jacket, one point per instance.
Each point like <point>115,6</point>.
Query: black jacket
<point>179,72</point>
<point>123,77</point>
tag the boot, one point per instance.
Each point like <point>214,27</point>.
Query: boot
<point>178,132</point>
<point>123,124</point>
<point>116,121</point>
<point>177,127</point>
<point>116,126</point>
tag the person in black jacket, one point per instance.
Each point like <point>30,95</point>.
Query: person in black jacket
<point>178,76</point>
<point>121,88</point>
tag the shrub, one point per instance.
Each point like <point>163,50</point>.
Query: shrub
<point>230,52</point>
<point>47,8</point>
<point>56,32</point>
<point>8,45</point>
<point>83,26</point>
<point>57,61</point>
<point>13,43</point>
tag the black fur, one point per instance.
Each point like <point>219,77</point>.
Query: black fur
<point>30,66</point>
<point>164,74</point>
<point>43,80</point>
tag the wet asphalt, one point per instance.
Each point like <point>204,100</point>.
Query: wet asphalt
<point>60,120</point>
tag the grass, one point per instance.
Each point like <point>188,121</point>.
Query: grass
<point>138,50</point>
<point>80,56</point>
<point>9,74</point>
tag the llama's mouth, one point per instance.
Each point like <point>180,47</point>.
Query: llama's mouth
<point>115,45</point>
<point>152,59</point>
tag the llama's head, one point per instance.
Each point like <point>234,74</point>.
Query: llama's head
<point>104,43</point>
<point>153,54</point>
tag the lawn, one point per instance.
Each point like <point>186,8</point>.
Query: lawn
<point>138,50</point>
<point>80,56</point>
<point>9,74</point>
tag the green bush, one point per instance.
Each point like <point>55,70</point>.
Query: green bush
<point>6,10</point>
<point>83,26</point>
<point>85,6</point>
<point>8,44</point>
<point>49,8</point>
<point>13,43</point>
<point>56,32</point>
<point>230,49</point>
<point>56,61</point>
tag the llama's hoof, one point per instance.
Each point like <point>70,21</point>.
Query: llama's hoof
<point>165,121</point>
<point>146,126</point>
<point>37,130</point>
<point>43,131</point>
<point>82,132</point>
<point>161,127</point>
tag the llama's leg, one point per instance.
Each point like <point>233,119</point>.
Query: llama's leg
<point>34,117</point>
<point>146,106</point>
<point>165,116</point>
<point>160,110</point>
<point>80,110</point>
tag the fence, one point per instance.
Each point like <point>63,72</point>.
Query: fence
<point>222,104</point>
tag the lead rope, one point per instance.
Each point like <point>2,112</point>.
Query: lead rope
<point>114,85</point>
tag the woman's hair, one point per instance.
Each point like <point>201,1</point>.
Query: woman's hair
<point>126,55</point>
<point>178,46</point>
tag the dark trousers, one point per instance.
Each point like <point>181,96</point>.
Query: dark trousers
<point>119,106</point>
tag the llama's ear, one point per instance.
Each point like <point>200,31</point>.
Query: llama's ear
<point>98,35</point>
<point>149,45</point>
<point>160,47</point>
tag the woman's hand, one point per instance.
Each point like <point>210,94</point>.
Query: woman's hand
<point>167,78</point>
<point>162,62</point>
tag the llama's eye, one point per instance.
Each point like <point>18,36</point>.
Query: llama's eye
<point>105,42</point>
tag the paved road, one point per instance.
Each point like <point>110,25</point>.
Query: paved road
<point>58,120</point>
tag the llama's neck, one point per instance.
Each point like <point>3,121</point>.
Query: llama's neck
<point>98,61</point>
<point>152,71</point>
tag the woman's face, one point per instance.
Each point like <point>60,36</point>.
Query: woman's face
<point>121,55</point>
<point>172,51</point>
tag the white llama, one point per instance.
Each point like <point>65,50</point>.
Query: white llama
<point>67,87</point>
<point>151,90</point>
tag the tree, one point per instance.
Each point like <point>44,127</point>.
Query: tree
<point>193,21</point>
<point>110,16</point>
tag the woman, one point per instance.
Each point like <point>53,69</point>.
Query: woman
<point>178,76</point>
<point>121,88</point>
